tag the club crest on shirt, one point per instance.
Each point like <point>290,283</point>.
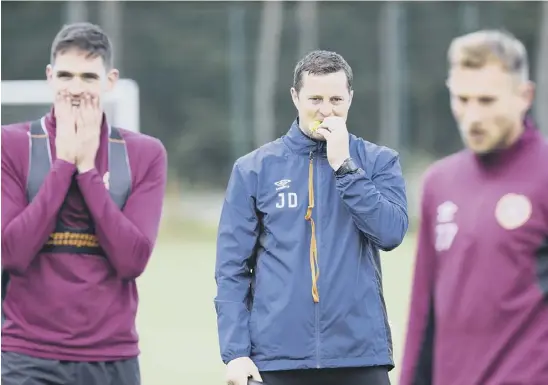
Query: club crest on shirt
<point>106,180</point>
<point>513,211</point>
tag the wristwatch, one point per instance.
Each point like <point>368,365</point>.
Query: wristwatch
<point>348,167</point>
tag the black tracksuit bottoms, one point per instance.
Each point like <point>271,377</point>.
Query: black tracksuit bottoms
<point>376,375</point>
<point>20,369</point>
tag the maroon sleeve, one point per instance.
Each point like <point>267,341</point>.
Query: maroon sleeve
<point>26,227</point>
<point>128,236</point>
<point>417,358</point>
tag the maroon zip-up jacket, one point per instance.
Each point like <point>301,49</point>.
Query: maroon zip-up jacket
<point>479,307</point>
<point>77,307</point>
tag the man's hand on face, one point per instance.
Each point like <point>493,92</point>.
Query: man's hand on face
<point>240,369</point>
<point>88,131</point>
<point>65,139</point>
<point>334,130</point>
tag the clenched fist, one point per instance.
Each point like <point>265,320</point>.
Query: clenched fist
<point>334,130</point>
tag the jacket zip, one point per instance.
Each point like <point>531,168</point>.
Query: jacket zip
<point>317,304</point>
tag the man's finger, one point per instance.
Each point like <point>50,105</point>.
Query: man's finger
<point>324,132</point>
<point>79,115</point>
<point>95,103</point>
<point>330,126</point>
<point>325,125</point>
<point>67,103</point>
<point>61,106</point>
<point>74,113</point>
<point>97,114</point>
<point>90,113</point>
<point>61,100</point>
<point>61,96</point>
<point>86,104</point>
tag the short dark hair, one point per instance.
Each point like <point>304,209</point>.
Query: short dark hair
<point>321,62</point>
<point>84,37</point>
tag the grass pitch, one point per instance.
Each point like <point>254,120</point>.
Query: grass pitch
<point>177,321</point>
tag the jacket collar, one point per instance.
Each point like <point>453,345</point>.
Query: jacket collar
<point>296,140</point>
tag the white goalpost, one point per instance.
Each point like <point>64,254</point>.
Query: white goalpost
<point>24,100</point>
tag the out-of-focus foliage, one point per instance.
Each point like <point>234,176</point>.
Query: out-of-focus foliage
<point>178,52</point>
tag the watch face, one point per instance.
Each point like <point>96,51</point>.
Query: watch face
<point>347,167</point>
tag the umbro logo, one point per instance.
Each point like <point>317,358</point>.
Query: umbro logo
<point>282,184</point>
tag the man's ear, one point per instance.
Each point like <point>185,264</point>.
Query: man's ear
<point>351,97</point>
<point>49,72</point>
<point>295,97</point>
<point>448,84</point>
<point>112,78</point>
<point>528,93</point>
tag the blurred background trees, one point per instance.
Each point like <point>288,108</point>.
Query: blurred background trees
<point>214,77</point>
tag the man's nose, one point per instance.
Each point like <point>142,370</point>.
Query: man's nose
<point>326,109</point>
<point>76,86</point>
<point>472,114</point>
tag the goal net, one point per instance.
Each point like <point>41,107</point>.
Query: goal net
<point>25,100</point>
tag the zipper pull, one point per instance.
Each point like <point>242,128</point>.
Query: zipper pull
<point>311,155</point>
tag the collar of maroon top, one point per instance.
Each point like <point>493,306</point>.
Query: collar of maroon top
<point>500,158</point>
<point>51,123</point>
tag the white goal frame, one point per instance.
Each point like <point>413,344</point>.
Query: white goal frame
<point>124,96</point>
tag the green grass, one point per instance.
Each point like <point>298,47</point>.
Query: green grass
<point>177,321</point>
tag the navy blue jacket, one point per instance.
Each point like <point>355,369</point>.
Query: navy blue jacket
<point>265,268</point>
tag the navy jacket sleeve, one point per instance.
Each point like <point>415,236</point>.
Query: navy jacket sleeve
<point>378,202</point>
<point>236,240</point>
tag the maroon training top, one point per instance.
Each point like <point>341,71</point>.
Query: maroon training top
<point>77,307</point>
<point>479,308</point>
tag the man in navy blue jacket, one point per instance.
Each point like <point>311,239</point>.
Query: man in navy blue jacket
<point>299,295</point>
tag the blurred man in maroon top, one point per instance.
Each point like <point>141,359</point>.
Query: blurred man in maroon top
<point>81,207</point>
<point>479,308</point>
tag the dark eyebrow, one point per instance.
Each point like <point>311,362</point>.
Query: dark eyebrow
<point>319,96</point>
<point>85,75</point>
<point>64,73</point>
<point>90,75</point>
